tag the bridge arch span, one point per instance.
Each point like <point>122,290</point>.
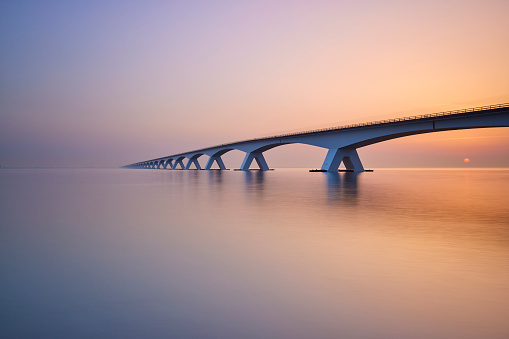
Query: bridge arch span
<point>427,127</point>
<point>342,142</point>
<point>179,161</point>
<point>215,157</point>
<point>193,159</point>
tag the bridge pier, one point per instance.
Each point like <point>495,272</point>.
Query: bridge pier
<point>260,160</point>
<point>169,162</point>
<point>178,162</point>
<point>342,142</point>
<point>193,160</point>
<point>348,156</point>
<point>218,160</point>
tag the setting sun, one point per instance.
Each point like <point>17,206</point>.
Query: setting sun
<point>466,160</point>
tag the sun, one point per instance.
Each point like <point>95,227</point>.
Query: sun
<point>466,160</point>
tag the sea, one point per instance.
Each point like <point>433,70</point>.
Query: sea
<point>137,253</point>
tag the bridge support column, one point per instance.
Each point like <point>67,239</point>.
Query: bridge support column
<point>193,161</point>
<point>217,159</point>
<point>178,162</point>
<point>348,156</point>
<point>167,163</point>
<point>260,160</point>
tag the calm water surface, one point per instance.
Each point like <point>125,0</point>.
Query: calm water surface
<point>282,254</point>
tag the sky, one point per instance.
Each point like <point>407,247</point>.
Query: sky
<point>108,83</point>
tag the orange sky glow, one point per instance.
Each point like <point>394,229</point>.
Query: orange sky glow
<point>105,84</point>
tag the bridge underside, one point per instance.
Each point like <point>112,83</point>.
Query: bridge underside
<point>342,144</point>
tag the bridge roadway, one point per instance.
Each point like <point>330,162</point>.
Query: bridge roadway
<point>342,142</point>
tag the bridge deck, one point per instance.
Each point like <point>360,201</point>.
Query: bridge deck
<point>286,137</point>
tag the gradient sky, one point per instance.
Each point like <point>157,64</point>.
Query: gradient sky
<point>107,83</point>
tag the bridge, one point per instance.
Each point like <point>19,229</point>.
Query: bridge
<point>342,141</point>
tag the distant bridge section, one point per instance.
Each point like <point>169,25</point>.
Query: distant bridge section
<point>342,142</point>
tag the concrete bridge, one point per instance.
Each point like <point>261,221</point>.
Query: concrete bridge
<point>342,142</point>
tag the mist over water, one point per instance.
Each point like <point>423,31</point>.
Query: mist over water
<point>281,254</point>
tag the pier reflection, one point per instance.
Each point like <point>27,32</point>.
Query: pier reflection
<point>342,187</point>
<point>254,181</point>
<point>215,177</point>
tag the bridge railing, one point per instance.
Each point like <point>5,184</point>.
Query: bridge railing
<point>362,124</point>
<point>378,122</point>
